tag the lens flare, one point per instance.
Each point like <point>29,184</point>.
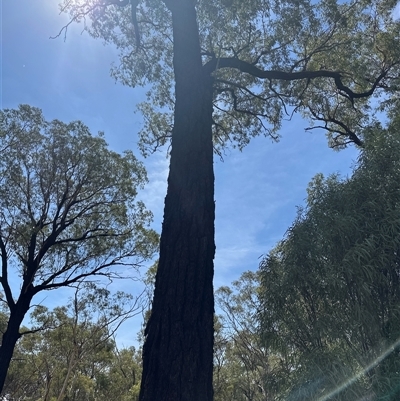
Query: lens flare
<point>357,376</point>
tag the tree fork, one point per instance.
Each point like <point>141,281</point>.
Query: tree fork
<point>178,350</point>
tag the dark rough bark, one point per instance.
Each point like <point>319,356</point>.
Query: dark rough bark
<point>178,350</point>
<point>12,335</point>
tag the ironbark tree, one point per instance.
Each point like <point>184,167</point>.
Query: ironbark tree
<point>222,71</point>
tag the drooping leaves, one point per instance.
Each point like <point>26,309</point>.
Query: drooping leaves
<point>331,288</point>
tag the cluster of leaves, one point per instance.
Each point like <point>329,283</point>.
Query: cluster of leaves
<point>71,354</point>
<point>66,199</point>
<point>330,291</point>
<point>67,202</point>
<point>267,58</point>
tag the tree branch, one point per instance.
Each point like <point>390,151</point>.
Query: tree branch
<point>331,119</point>
<point>98,271</point>
<point>243,66</point>
<point>4,275</point>
<point>85,12</point>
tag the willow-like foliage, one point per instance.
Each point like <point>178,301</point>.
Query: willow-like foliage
<point>331,288</point>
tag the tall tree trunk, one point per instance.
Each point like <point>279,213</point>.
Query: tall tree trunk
<point>178,350</point>
<point>12,335</point>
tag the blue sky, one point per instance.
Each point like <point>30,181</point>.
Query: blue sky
<point>257,190</point>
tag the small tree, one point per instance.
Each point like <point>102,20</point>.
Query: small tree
<point>67,212</point>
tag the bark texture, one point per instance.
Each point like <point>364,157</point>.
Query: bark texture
<point>12,334</point>
<point>178,350</point>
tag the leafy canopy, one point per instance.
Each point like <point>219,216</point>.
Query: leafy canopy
<point>268,58</point>
<point>67,204</point>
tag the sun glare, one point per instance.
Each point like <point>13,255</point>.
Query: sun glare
<point>350,381</point>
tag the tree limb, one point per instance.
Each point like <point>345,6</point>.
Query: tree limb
<point>4,275</point>
<point>243,66</point>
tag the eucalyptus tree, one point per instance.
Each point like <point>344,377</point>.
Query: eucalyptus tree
<point>331,289</point>
<point>219,73</point>
<point>74,355</point>
<point>82,346</point>
<point>243,368</point>
<point>67,213</point>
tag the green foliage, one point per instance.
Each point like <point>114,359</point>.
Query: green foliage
<point>245,45</point>
<point>67,202</point>
<point>74,356</point>
<point>68,214</point>
<point>331,288</point>
<point>242,365</point>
